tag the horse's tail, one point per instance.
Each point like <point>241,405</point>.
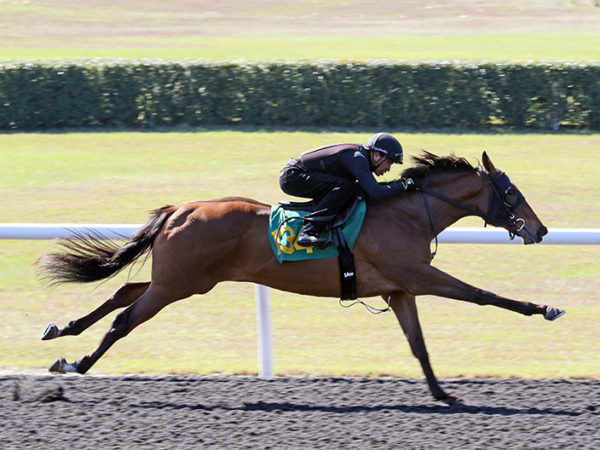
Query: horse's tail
<point>92,257</point>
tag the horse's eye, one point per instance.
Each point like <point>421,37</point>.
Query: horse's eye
<point>510,194</point>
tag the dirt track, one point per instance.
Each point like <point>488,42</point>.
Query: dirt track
<point>54,412</point>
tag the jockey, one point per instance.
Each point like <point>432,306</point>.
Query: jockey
<point>334,175</point>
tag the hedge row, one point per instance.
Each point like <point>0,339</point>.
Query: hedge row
<point>134,94</point>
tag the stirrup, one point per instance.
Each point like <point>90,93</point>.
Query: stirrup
<point>308,240</point>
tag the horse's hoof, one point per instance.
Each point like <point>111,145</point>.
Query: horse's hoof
<point>50,332</point>
<point>452,400</point>
<point>57,366</point>
<point>448,399</point>
<point>553,313</point>
<point>62,366</point>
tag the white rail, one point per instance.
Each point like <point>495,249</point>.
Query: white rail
<point>560,236</point>
<point>563,236</point>
<point>62,230</point>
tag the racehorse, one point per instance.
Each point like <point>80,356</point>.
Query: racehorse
<point>198,244</point>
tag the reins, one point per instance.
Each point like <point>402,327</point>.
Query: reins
<point>428,209</point>
<point>427,191</point>
<point>453,202</point>
<point>497,202</point>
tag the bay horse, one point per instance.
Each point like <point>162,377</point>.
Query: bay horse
<point>198,244</point>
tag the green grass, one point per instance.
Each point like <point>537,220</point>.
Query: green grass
<point>41,170</point>
<point>118,177</point>
<point>523,47</point>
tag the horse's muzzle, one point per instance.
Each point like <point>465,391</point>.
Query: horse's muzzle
<point>541,232</point>
<point>531,237</point>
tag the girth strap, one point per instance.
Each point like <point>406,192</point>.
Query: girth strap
<point>347,267</point>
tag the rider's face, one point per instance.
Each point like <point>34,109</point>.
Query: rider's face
<point>381,163</point>
<point>383,167</point>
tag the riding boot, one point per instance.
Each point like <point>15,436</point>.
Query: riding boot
<point>312,235</point>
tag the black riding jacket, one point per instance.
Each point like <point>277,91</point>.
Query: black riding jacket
<point>350,161</point>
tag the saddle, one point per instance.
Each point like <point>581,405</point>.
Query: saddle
<point>337,239</point>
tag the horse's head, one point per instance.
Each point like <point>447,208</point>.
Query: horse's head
<point>509,209</point>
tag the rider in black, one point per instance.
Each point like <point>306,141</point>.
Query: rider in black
<point>335,174</point>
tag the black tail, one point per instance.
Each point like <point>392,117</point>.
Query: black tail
<point>91,257</point>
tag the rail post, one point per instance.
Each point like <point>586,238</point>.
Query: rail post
<point>263,325</point>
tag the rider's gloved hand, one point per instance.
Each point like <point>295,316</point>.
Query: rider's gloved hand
<point>409,184</point>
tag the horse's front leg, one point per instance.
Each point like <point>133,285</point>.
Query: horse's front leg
<point>123,297</point>
<point>405,309</point>
<point>432,281</point>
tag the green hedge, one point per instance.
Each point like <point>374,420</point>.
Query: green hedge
<point>95,94</point>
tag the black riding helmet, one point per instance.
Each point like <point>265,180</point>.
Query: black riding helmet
<point>386,144</point>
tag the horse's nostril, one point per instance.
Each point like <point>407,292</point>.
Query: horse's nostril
<point>542,231</point>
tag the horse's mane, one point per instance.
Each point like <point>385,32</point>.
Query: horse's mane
<point>429,164</point>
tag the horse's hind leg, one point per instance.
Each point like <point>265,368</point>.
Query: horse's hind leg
<point>144,308</point>
<point>405,308</point>
<point>123,297</point>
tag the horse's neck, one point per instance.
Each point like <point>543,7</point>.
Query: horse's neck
<point>467,188</point>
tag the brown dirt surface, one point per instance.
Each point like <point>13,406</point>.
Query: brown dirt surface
<point>189,411</point>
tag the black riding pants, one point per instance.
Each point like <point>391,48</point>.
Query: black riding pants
<point>332,193</point>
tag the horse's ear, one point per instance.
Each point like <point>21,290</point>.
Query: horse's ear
<point>487,163</point>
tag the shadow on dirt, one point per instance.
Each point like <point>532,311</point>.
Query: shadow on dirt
<point>419,409</point>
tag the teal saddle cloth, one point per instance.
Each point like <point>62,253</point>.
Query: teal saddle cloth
<point>285,225</point>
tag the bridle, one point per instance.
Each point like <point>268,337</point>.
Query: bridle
<point>503,204</point>
<point>505,198</point>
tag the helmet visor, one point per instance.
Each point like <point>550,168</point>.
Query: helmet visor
<point>395,158</point>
